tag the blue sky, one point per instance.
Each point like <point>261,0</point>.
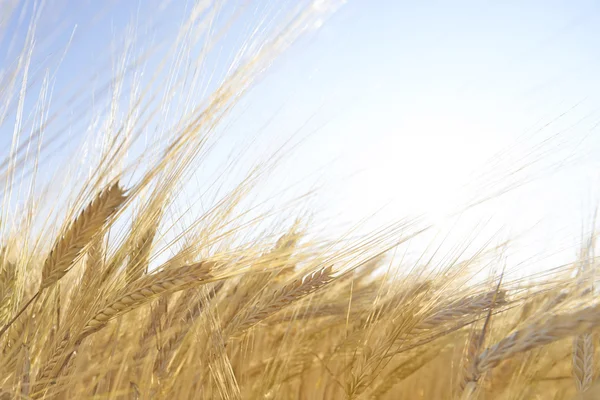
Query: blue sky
<point>402,104</point>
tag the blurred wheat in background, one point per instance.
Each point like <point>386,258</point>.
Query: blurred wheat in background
<point>145,255</point>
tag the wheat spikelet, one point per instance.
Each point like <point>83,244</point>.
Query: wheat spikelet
<point>220,369</point>
<point>463,307</point>
<point>280,299</point>
<point>7,286</point>
<point>555,301</point>
<point>52,366</point>
<point>323,311</point>
<point>135,389</point>
<point>83,229</point>
<point>538,333</point>
<point>147,288</point>
<point>583,346</point>
<point>153,333</point>
<point>16,331</point>
<point>583,361</point>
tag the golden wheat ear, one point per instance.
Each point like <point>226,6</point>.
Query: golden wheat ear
<point>279,299</point>
<point>141,292</point>
<point>69,247</point>
<point>148,288</point>
<point>86,226</point>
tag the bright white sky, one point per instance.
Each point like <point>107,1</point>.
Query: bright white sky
<point>434,104</point>
<point>422,107</point>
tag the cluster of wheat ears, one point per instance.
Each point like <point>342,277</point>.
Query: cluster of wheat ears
<point>98,300</point>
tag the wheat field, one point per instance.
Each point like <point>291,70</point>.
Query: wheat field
<point>114,284</point>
